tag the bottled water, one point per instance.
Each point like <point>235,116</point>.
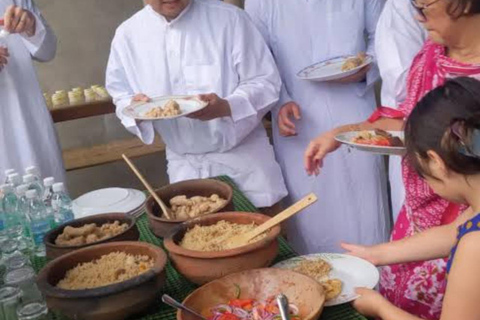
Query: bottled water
<point>48,191</point>
<point>15,180</point>
<point>22,210</point>
<point>39,221</point>
<point>34,172</point>
<point>61,204</point>
<point>7,173</point>
<point>33,184</point>
<point>12,222</point>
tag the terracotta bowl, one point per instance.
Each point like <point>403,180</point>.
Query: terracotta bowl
<point>203,187</point>
<point>202,267</point>
<point>131,234</point>
<point>113,302</point>
<point>307,294</point>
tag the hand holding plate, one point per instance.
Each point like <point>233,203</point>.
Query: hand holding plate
<point>216,108</point>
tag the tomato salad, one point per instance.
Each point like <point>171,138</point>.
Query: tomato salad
<point>251,309</point>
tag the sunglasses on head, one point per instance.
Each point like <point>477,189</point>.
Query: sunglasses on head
<point>422,7</point>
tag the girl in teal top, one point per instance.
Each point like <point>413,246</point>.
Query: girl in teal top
<point>443,143</point>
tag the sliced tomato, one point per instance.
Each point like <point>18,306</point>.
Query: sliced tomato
<point>242,303</point>
<point>228,316</point>
<point>272,308</point>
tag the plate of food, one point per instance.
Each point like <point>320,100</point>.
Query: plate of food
<point>162,108</point>
<point>375,141</point>
<point>339,274</point>
<point>336,68</point>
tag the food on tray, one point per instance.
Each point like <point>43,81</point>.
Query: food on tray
<point>108,269</point>
<point>89,233</point>
<point>251,309</point>
<point>320,270</point>
<point>212,238</point>
<point>355,62</point>
<point>170,109</point>
<point>186,208</point>
<point>378,138</point>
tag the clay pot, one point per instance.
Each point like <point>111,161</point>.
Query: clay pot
<point>113,302</point>
<point>162,227</point>
<point>131,234</point>
<point>202,267</point>
<point>304,292</point>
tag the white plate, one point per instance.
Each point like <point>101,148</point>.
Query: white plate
<point>102,198</point>
<point>134,201</point>
<point>331,69</point>
<point>346,138</point>
<point>352,271</point>
<point>188,105</point>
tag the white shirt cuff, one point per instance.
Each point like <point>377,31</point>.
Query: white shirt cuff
<point>34,43</point>
<point>240,107</point>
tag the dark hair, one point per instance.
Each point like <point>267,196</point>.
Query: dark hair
<point>445,121</point>
<point>460,8</point>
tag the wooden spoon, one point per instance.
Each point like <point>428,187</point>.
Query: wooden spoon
<point>166,210</point>
<point>284,215</point>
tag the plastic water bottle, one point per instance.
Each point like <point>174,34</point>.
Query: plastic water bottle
<point>7,173</point>
<point>33,184</point>
<point>34,172</point>
<point>39,221</point>
<point>12,222</point>
<point>48,190</point>
<point>15,180</point>
<point>22,210</point>
<point>61,204</point>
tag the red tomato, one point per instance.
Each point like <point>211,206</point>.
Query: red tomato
<point>228,316</point>
<point>241,303</point>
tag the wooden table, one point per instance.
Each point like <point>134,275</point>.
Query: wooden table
<point>80,158</point>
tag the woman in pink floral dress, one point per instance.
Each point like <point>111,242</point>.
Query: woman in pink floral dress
<point>452,51</point>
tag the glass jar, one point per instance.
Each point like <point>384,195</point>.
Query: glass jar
<point>9,301</point>
<point>16,262</point>
<point>24,278</point>
<point>33,311</point>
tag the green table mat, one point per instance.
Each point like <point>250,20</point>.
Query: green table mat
<point>179,287</point>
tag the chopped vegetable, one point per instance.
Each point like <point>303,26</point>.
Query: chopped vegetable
<point>251,309</point>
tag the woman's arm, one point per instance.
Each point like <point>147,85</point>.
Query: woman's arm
<point>325,143</point>
<point>432,244</point>
<point>371,304</point>
<point>463,288</point>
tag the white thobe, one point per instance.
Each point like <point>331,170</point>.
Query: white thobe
<point>352,203</point>
<point>399,38</point>
<point>210,47</point>
<point>27,134</point>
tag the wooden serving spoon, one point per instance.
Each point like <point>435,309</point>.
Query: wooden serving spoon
<point>284,215</point>
<point>166,210</point>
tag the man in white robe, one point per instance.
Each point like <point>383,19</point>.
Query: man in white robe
<point>399,38</point>
<point>211,49</point>
<point>352,203</point>
<point>27,134</point>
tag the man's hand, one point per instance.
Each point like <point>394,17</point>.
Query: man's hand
<point>140,98</point>
<point>3,57</point>
<point>18,20</point>
<point>216,108</point>
<point>356,77</point>
<point>288,112</point>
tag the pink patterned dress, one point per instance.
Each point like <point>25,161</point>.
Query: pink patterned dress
<point>419,287</point>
